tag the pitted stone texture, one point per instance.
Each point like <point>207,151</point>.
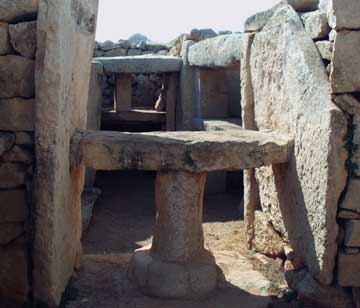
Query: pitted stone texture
<point>303,5</point>
<point>345,73</point>
<point>178,234</point>
<point>17,114</point>
<point>23,38</point>
<point>18,10</point>
<point>13,206</point>
<point>326,49</point>
<point>292,95</point>
<point>180,151</point>
<point>267,240</point>
<point>62,79</point>
<point>12,175</point>
<point>348,103</point>
<point>172,280</point>
<point>14,271</point>
<point>352,233</point>
<point>348,270</point>
<point>257,21</point>
<point>16,77</point>
<point>5,46</point>
<point>316,24</point>
<point>352,198</point>
<point>343,14</point>
<point>7,140</point>
<point>221,51</point>
<point>312,292</point>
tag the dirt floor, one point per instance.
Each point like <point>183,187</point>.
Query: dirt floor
<point>123,220</point>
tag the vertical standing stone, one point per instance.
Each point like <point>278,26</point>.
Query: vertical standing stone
<point>123,93</point>
<point>177,265</point>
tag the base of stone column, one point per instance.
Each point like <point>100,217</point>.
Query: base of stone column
<point>194,280</point>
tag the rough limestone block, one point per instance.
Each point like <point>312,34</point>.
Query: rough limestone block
<point>348,103</point>
<point>343,14</point>
<point>267,241</point>
<point>221,51</point>
<point>11,175</point>
<point>7,140</point>
<point>13,206</point>
<point>23,38</point>
<point>17,114</point>
<point>63,75</point>
<point>16,77</point>
<point>291,93</point>
<point>5,46</point>
<point>345,73</point>
<point>352,198</point>
<point>348,270</point>
<point>352,233</point>
<point>14,271</point>
<point>18,10</point>
<point>326,49</point>
<point>316,24</point>
<point>303,5</point>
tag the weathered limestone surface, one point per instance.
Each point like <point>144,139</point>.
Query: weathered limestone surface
<point>343,15</point>
<point>180,151</point>
<point>177,265</point>
<point>326,49</point>
<point>23,38</point>
<point>292,94</point>
<point>14,270</point>
<point>352,197</point>
<point>221,51</point>
<point>312,292</point>
<point>5,46</point>
<point>141,64</point>
<point>267,241</point>
<point>316,24</point>
<point>63,68</point>
<point>15,10</point>
<point>345,73</point>
<point>257,21</point>
<point>16,77</point>
<point>303,5</point>
<point>17,114</point>
<point>348,270</point>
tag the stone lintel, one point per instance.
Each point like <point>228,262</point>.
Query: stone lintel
<point>180,151</point>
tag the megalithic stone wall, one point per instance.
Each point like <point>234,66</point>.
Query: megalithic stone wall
<point>17,103</point>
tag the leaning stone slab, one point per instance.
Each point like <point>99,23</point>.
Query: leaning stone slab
<point>221,51</point>
<point>16,77</point>
<point>292,94</point>
<point>5,47</point>
<point>345,74</point>
<point>18,10</point>
<point>141,64</point>
<point>316,24</point>
<point>17,114</point>
<point>180,151</point>
<point>23,38</point>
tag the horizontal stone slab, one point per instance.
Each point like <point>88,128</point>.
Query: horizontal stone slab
<point>180,151</point>
<point>141,64</point>
<point>218,52</point>
<point>134,115</point>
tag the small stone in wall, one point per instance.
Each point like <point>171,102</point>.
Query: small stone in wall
<point>352,233</point>
<point>326,49</point>
<point>18,10</point>
<point>202,34</point>
<point>303,5</point>
<point>355,159</point>
<point>17,77</point>
<point>12,175</point>
<point>117,52</point>
<point>23,38</point>
<point>344,214</point>
<point>18,210</point>
<point>5,47</point>
<point>316,24</point>
<point>134,52</point>
<point>348,103</point>
<point>348,269</point>
<point>18,155</point>
<point>7,141</point>
<point>17,114</point>
<point>352,198</point>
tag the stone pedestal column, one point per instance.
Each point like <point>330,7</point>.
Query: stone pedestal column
<point>177,265</point>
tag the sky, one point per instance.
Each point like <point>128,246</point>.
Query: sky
<point>164,20</point>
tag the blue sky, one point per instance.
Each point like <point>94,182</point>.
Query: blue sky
<point>163,20</point>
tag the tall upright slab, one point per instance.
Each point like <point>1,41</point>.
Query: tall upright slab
<point>291,94</point>
<point>66,31</point>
